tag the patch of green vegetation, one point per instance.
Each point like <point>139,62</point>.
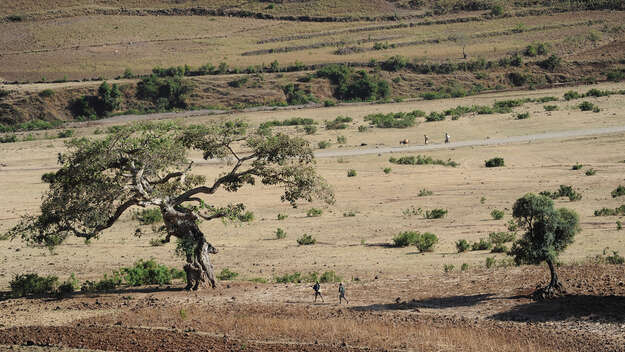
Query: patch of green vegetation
<point>314,212</point>
<point>227,274</point>
<point>620,211</point>
<point>497,214</point>
<point>618,192</point>
<point>495,162</point>
<point>394,120</point>
<point>280,234</point>
<point>339,123</point>
<point>563,191</point>
<point>306,240</point>
<point>351,173</point>
<point>148,216</point>
<point>421,160</point>
<point>462,245</point>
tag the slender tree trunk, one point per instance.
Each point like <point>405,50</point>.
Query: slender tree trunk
<point>554,288</point>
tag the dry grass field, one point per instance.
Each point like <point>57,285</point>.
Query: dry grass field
<point>399,298</point>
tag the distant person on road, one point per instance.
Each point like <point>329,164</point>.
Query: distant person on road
<point>342,294</point>
<point>427,140</point>
<point>447,138</point>
<point>316,287</point>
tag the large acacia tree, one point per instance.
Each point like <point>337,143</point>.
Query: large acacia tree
<point>548,231</point>
<point>147,165</point>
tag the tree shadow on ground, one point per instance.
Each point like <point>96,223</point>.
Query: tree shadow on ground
<point>6,295</point>
<point>579,307</point>
<point>381,244</point>
<point>433,302</point>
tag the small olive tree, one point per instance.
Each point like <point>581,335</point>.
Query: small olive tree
<point>146,165</point>
<point>548,231</point>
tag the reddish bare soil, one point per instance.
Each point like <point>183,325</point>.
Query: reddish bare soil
<point>472,311</point>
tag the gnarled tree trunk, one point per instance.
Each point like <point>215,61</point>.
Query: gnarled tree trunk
<point>554,288</point>
<point>199,269</point>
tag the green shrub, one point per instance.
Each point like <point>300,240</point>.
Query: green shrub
<point>497,214</point>
<point>226,274</point>
<point>65,134</point>
<point>8,138</point>
<point>33,285</point>
<point>46,93</point>
<point>328,103</point>
<point>494,162</point>
<point>570,95</point>
<point>165,92</point>
<point>329,276</point>
<point>421,160</point>
<point>248,216</point>
<point>437,213</point>
<point>289,278</point>
<point>577,166</point>
<point>314,212</point>
<point>448,268</point>
<point>306,240</point>
<point>394,120</point>
<point>310,129</point>
<point>490,262</point>
<point>586,106</point>
<point>297,96</point>
<point>563,191</point>
<point>67,287</point>
<point>464,267</point>
<point>323,144</point>
<point>620,211</point>
<point>616,76</point>
<point>550,63</point>
<point>280,234</point>
<point>282,216</point>
<point>362,128</point>
<point>387,170</point>
<point>156,242</point>
<point>351,173</point>
<point>462,245</point>
<point>482,245</point>
<point>425,193</point>
<point>349,214</point>
<point>394,63</point>
<point>341,139</point>
<point>238,82</point>
<point>258,280</point>
<point>591,172</point>
<point>106,284</point>
<point>352,85</point>
<point>619,225</point>
<point>499,248</point>
<point>619,191</point>
<point>523,116</point>
<point>404,239</point>
<point>518,79</point>
<point>498,238</point>
<point>148,216</point>
<point>426,241</point>
<point>147,272</point>
<point>497,10</point>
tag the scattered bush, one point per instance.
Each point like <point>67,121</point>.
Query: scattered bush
<point>464,267</point>
<point>349,214</point>
<point>341,139</point>
<point>405,239</point>
<point>65,134</point>
<point>425,192</point>
<point>563,191</point>
<point>518,79</point>
<point>339,123</point>
<point>394,63</point>
<point>67,287</point>
<point>618,192</point>
<point>248,216</point>
<point>425,242</point>
<point>166,93</point>
<point>387,170</point>
<point>616,76</point>
<point>310,129</point>
<point>314,212</point>
<point>362,128</point>
<point>106,284</point>
<point>306,240</point>
<point>148,216</point>
<point>421,160</point>
<point>156,242</point>
<point>148,272</point>
<point>497,214</point>
<point>448,268</point>
<point>570,95</point>
<point>394,120</point>
<point>323,144</point>
<point>490,262</point>
<point>352,85</point>
<point>280,234</point>
<point>577,166</point>
<point>620,211</point>
<point>437,213</point>
<point>295,95</point>
<point>33,285</point>
<point>226,274</point>
<point>482,245</point>
<point>295,121</point>
<point>536,49</point>
<point>238,82</point>
<point>619,225</point>
<point>494,162</point>
<point>499,248</point>
<point>46,93</point>
<point>523,116</point>
<point>551,63</point>
<point>591,172</point>
<point>8,138</point>
<point>586,106</point>
<point>351,173</point>
<point>282,216</point>
<point>499,238</point>
<point>107,101</point>
<point>462,245</point>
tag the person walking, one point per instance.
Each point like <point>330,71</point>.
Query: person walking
<point>342,294</point>
<point>316,287</point>
<point>447,138</point>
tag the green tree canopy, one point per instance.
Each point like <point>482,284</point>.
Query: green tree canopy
<point>548,231</point>
<point>147,165</point>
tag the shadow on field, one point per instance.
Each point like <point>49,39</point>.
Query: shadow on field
<point>433,302</point>
<point>6,295</point>
<point>582,307</point>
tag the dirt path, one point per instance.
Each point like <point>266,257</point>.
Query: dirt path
<point>472,143</point>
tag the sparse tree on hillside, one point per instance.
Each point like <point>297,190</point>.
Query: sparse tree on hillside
<point>146,165</point>
<point>548,231</point>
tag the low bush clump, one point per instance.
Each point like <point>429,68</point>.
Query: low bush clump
<point>497,214</point>
<point>426,242</point>
<point>448,268</point>
<point>323,144</point>
<point>499,248</point>
<point>405,239</point>
<point>586,106</point>
<point>394,120</point>
<point>563,191</point>
<point>437,213</point>
<point>310,129</point>
<point>500,237</point>
<point>280,234</point>
<point>33,285</point>
<point>490,262</point>
<point>314,212</point>
<point>351,173</point>
<point>339,123</point>
<point>494,162</point>
<point>282,216</point>
<point>306,240</point>
<point>106,284</point>
<point>523,116</point>
<point>462,245</point>
<point>421,160</point>
<point>295,121</point>
<point>620,211</point>
<point>226,274</point>
<point>248,216</point>
<point>482,245</point>
<point>387,170</point>
<point>591,172</point>
<point>464,267</point>
<point>149,272</point>
<point>618,192</point>
<point>577,166</point>
<point>550,107</point>
<point>424,193</point>
<point>571,95</point>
